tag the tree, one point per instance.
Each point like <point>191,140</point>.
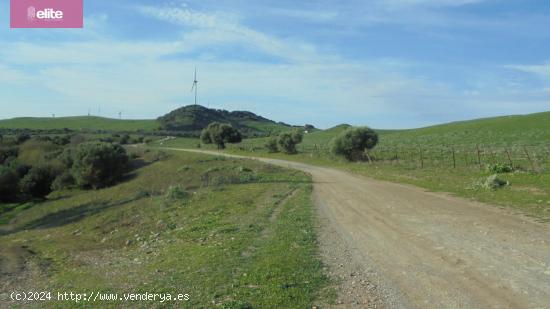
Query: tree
<point>8,184</point>
<point>353,143</point>
<point>271,145</point>
<point>219,134</point>
<point>98,164</point>
<point>37,182</point>
<point>288,141</point>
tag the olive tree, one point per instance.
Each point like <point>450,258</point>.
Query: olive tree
<point>98,164</point>
<point>37,182</point>
<point>219,134</point>
<point>288,140</point>
<point>353,143</point>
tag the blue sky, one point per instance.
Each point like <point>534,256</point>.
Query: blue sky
<point>382,63</point>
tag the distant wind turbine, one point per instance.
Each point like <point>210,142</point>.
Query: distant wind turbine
<point>194,87</point>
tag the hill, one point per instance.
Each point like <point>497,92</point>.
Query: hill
<point>79,123</point>
<point>194,118</point>
<point>531,129</point>
<point>189,120</point>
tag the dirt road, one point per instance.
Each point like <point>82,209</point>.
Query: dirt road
<point>434,250</point>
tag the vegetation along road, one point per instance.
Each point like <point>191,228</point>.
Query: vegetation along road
<point>434,250</point>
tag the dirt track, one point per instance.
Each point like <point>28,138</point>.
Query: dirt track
<point>434,250</point>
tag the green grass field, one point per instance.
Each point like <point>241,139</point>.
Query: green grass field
<point>432,167</point>
<point>230,233</point>
<point>79,123</point>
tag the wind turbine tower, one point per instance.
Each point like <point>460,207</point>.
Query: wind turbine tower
<point>194,87</point>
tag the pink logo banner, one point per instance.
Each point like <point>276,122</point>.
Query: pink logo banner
<point>46,14</point>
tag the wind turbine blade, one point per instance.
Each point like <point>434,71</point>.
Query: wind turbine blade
<point>193,87</point>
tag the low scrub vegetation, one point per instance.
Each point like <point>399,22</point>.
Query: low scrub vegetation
<point>499,168</point>
<point>163,231</point>
<point>32,167</point>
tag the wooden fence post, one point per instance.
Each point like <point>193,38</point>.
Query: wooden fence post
<point>479,157</point>
<point>454,158</point>
<point>529,158</point>
<point>510,158</point>
<point>421,158</point>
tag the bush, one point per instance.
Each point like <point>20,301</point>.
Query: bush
<point>288,141</point>
<point>98,164</point>
<point>7,152</point>
<point>63,181</point>
<point>62,140</point>
<point>219,134</point>
<point>21,138</point>
<point>8,184</point>
<point>66,157</point>
<point>492,182</point>
<point>498,168</point>
<point>124,139</point>
<point>37,182</point>
<point>175,193</point>
<point>354,142</point>
<point>271,145</point>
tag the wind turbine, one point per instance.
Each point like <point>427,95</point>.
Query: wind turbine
<point>195,84</point>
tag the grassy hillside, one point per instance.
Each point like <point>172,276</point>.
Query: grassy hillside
<point>424,157</point>
<point>532,129</point>
<point>78,123</point>
<point>529,129</point>
<point>195,118</point>
<point>229,233</point>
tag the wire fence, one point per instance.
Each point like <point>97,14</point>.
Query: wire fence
<point>534,158</point>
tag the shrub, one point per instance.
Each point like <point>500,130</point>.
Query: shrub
<point>175,193</point>
<point>219,134</point>
<point>6,152</point>
<point>22,137</point>
<point>66,157</point>
<point>353,142</point>
<point>492,182</point>
<point>98,164</point>
<point>124,139</point>
<point>20,169</point>
<point>62,140</point>
<point>78,139</point>
<point>37,182</point>
<point>8,184</point>
<point>271,145</point>
<point>498,168</point>
<point>288,141</point>
<point>63,181</point>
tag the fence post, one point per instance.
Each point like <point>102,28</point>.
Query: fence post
<point>479,157</point>
<point>529,158</point>
<point>510,158</point>
<point>421,158</point>
<point>454,158</point>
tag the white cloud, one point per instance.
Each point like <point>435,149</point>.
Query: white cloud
<point>542,70</point>
<point>215,28</point>
<point>317,16</point>
<point>431,3</point>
